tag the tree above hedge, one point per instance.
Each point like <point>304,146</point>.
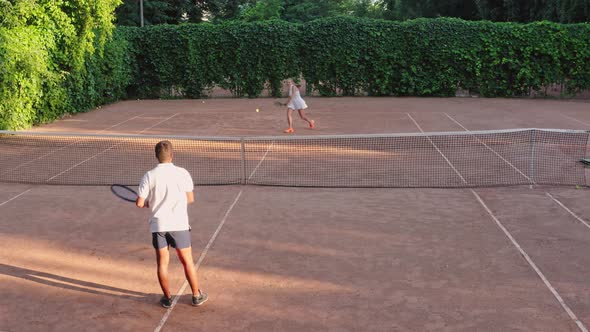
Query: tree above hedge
<point>182,11</point>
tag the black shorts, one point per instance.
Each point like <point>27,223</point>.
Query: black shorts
<point>177,239</point>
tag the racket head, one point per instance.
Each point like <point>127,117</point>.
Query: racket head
<point>124,192</point>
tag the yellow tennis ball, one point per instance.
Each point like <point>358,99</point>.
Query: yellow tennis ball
<point>257,110</point>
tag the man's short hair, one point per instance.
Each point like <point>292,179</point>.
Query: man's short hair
<point>164,151</point>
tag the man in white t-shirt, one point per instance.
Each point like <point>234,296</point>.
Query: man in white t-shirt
<point>167,190</point>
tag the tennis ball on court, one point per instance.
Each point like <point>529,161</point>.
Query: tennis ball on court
<point>257,110</point>
<point>578,187</point>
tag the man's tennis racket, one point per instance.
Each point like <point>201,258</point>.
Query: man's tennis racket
<point>125,193</point>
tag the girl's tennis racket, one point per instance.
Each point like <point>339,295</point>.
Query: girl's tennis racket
<point>125,193</point>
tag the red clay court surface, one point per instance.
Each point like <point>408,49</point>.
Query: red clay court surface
<point>76,258</point>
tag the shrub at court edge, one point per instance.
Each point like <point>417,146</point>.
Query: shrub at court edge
<point>24,66</point>
<point>58,57</point>
<point>352,56</point>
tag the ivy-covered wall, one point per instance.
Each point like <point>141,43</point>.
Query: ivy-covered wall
<point>74,66</point>
<point>347,56</point>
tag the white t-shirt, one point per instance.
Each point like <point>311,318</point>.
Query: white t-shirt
<point>165,188</point>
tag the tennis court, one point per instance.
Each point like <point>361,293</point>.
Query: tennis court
<point>499,245</point>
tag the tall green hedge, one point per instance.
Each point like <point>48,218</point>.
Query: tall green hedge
<point>426,57</point>
<point>348,56</point>
<point>51,65</point>
<point>189,59</point>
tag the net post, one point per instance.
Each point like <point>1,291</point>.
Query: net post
<point>242,143</point>
<point>587,132</point>
<point>532,161</point>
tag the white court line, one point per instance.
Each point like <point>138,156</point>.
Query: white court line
<point>525,255</point>
<point>555,199</point>
<point>153,117</point>
<point>120,123</point>
<point>201,258</point>
<point>548,194</point>
<point>168,118</point>
<point>533,265</point>
<point>80,163</point>
<point>574,119</point>
<point>437,149</point>
<point>21,165</point>
<point>496,153</point>
<point>263,157</point>
<point>568,210</point>
<point>63,147</point>
<point>105,150</point>
<point>24,192</point>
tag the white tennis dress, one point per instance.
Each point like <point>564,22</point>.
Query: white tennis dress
<point>296,103</point>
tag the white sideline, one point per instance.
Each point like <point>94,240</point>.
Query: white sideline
<point>574,119</point>
<point>568,210</point>
<point>488,147</point>
<point>519,248</point>
<point>437,149</point>
<point>533,266</point>
<point>260,162</point>
<point>105,150</point>
<point>201,258</point>
<point>15,197</point>
<point>532,181</point>
<point>63,147</point>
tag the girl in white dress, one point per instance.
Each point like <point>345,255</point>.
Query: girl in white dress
<point>295,102</point>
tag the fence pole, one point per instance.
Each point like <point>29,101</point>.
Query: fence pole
<point>243,161</point>
<point>532,161</point>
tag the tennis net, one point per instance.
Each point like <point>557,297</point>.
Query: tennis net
<point>416,160</point>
